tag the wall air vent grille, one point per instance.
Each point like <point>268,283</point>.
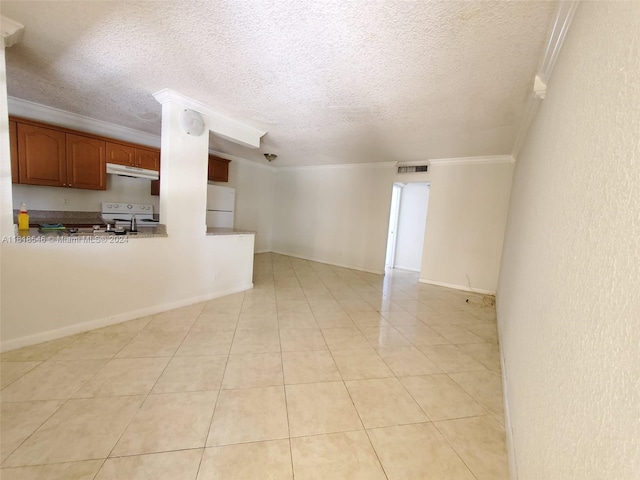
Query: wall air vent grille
<point>412,168</point>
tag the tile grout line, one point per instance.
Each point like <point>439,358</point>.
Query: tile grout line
<point>215,406</point>
<point>284,386</point>
<point>356,410</point>
<point>145,396</point>
<point>71,397</point>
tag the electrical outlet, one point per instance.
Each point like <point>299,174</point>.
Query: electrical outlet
<point>65,202</point>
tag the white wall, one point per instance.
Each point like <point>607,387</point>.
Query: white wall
<point>254,184</point>
<point>411,224</point>
<point>569,295</point>
<point>337,214</point>
<point>340,215</point>
<point>119,189</point>
<point>6,214</point>
<point>468,206</point>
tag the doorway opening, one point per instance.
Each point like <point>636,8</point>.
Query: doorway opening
<point>407,221</point>
<point>393,225</point>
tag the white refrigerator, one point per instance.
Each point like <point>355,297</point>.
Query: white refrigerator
<point>220,204</point>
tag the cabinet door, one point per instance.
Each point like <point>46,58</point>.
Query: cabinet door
<point>13,141</point>
<point>120,154</point>
<point>149,159</point>
<point>86,165</point>
<point>218,169</point>
<point>41,156</point>
<point>155,187</point>
<point>155,184</point>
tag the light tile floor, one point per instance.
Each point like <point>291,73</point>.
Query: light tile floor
<point>319,371</point>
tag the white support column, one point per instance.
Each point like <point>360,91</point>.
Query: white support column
<point>184,160</point>
<point>183,175</point>
<point>11,33</point>
<point>6,201</point>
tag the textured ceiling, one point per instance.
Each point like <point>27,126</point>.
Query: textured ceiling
<point>331,81</point>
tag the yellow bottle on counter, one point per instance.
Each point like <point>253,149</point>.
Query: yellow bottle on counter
<point>23,218</point>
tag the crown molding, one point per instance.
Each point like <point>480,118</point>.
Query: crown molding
<point>562,20</point>
<point>339,166</point>
<point>413,163</point>
<point>227,127</point>
<point>486,160</point>
<point>55,116</point>
<point>11,31</point>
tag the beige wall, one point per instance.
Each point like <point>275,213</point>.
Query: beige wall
<point>467,215</point>
<point>254,184</point>
<point>569,294</point>
<point>340,215</point>
<point>337,214</point>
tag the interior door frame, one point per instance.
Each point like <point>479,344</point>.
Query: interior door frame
<point>392,236</point>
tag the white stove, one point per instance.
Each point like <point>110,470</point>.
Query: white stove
<point>120,214</point>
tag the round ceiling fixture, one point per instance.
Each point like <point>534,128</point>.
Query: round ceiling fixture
<point>192,122</point>
<point>270,156</point>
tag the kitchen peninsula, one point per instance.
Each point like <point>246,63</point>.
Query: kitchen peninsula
<point>91,285</point>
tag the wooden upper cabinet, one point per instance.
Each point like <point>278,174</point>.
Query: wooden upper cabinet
<point>155,187</point>
<point>120,154</point>
<point>147,158</point>
<point>41,156</point>
<point>133,156</point>
<point>155,184</point>
<point>86,162</point>
<point>218,169</point>
<point>60,157</point>
<point>13,141</point>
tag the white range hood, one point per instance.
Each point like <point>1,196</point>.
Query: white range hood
<point>136,172</point>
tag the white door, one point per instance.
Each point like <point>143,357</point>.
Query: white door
<point>412,219</point>
<point>393,225</point>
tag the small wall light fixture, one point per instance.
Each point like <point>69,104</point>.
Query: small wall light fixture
<point>270,156</point>
<point>191,122</point>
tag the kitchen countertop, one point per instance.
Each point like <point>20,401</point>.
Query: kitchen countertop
<point>67,218</point>
<point>228,231</point>
<point>37,217</point>
<point>83,222</point>
<point>84,235</point>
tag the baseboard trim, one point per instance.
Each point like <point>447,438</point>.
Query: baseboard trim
<point>508,427</point>
<point>406,269</point>
<point>112,320</point>
<point>457,287</point>
<point>317,260</point>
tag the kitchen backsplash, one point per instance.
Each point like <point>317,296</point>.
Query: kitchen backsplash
<point>65,217</point>
<point>119,189</point>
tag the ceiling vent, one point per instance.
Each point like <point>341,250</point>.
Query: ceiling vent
<point>412,167</point>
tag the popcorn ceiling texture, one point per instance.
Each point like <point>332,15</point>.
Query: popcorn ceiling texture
<point>331,81</point>
<point>569,293</point>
